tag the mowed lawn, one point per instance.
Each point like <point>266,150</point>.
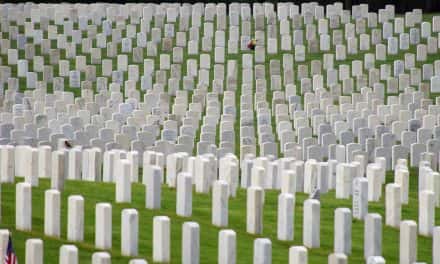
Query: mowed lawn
<point>105,192</point>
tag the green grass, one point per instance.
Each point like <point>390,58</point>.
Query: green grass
<point>105,192</point>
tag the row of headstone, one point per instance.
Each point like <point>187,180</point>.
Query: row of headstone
<point>208,32</point>
<point>269,146</point>
<point>69,254</point>
<point>255,200</point>
<point>430,130</point>
<point>254,211</point>
<point>345,175</point>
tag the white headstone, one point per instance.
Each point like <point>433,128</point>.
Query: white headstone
<point>220,203</point>
<point>408,242</point>
<point>75,218</point>
<point>31,175</point>
<point>435,84</point>
<point>153,180</point>
<point>374,176</point>
<point>373,235</point>
<point>435,245</point>
<point>344,180</point>
<point>74,164</point>
<point>4,240</point>
<point>402,178</point>
<point>44,161</point>
<point>311,231</point>
<point>58,169</point>
<point>184,194</point>
<point>123,182</point>
<point>393,205</point>
<point>342,235</point>
<point>262,251</point>
<point>34,251</point>
<point>375,260</point>
<point>52,214</point>
<point>68,254</point>
<point>7,163</point>
<point>288,181</point>
<point>426,213</point>
<point>101,258</point>
<point>133,157</point>
<point>298,254</point>
<point>23,206</point>
<point>337,258</point>
<point>285,219</point>
<point>360,198</point>
<point>190,243</point>
<point>254,210</point>
<point>227,247</point>
<point>129,232</point>
<point>103,226</point>
<point>161,239</point>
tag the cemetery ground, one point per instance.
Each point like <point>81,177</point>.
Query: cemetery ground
<point>105,192</point>
<point>96,192</point>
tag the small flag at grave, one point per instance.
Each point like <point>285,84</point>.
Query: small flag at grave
<point>252,43</point>
<point>10,257</point>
